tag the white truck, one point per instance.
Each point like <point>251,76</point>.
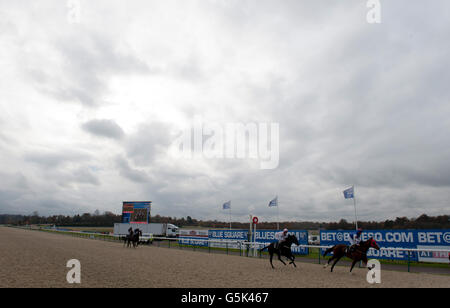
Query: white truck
<point>149,231</point>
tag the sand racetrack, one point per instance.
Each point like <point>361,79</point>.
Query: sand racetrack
<point>38,259</point>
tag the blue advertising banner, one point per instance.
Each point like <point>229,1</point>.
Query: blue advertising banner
<point>417,239</point>
<point>265,237</point>
<point>193,238</point>
<point>228,235</point>
<point>268,236</point>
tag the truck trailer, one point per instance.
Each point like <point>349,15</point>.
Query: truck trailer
<point>149,231</point>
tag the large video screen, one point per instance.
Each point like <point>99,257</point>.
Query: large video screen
<point>136,212</point>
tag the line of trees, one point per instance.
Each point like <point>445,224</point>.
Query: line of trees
<point>108,219</point>
<point>96,219</point>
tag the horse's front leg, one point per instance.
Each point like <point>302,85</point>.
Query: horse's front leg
<point>292,258</point>
<point>289,256</point>
<point>364,259</point>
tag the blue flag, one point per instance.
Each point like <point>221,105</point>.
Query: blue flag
<point>274,202</point>
<point>227,205</point>
<point>348,193</point>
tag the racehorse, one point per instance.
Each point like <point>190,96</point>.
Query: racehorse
<point>359,254</point>
<point>135,238</point>
<point>284,250</point>
<point>127,239</point>
<point>132,238</point>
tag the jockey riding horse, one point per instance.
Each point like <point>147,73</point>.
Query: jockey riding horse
<point>283,248</point>
<point>359,253</point>
<point>132,237</point>
<point>128,238</point>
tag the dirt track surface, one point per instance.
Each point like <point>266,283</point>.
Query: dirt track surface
<point>38,259</point>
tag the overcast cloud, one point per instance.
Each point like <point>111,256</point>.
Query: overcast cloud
<point>88,110</point>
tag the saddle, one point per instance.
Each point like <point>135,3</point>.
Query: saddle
<point>349,249</point>
<point>280,246</point>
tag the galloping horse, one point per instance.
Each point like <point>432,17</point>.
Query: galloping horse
<point>359,254</point>
<point>284,250</point>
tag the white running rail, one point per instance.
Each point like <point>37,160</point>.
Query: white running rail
<point>254,244</point>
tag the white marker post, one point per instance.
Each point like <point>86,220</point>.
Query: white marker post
<point>250,234</point>
<point>255,247</point>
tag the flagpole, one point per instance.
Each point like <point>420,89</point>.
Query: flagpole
<point>278,219</point>
<point>278,215</point>
<point>354,203</point>
<point>230,217</point>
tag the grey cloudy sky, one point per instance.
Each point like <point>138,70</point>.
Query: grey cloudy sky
<point>88,110</point>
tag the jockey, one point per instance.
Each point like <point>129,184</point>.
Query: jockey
<point>280,237</point>
<point>355,240</point>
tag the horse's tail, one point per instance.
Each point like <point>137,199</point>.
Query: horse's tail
<point>328,250</point>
